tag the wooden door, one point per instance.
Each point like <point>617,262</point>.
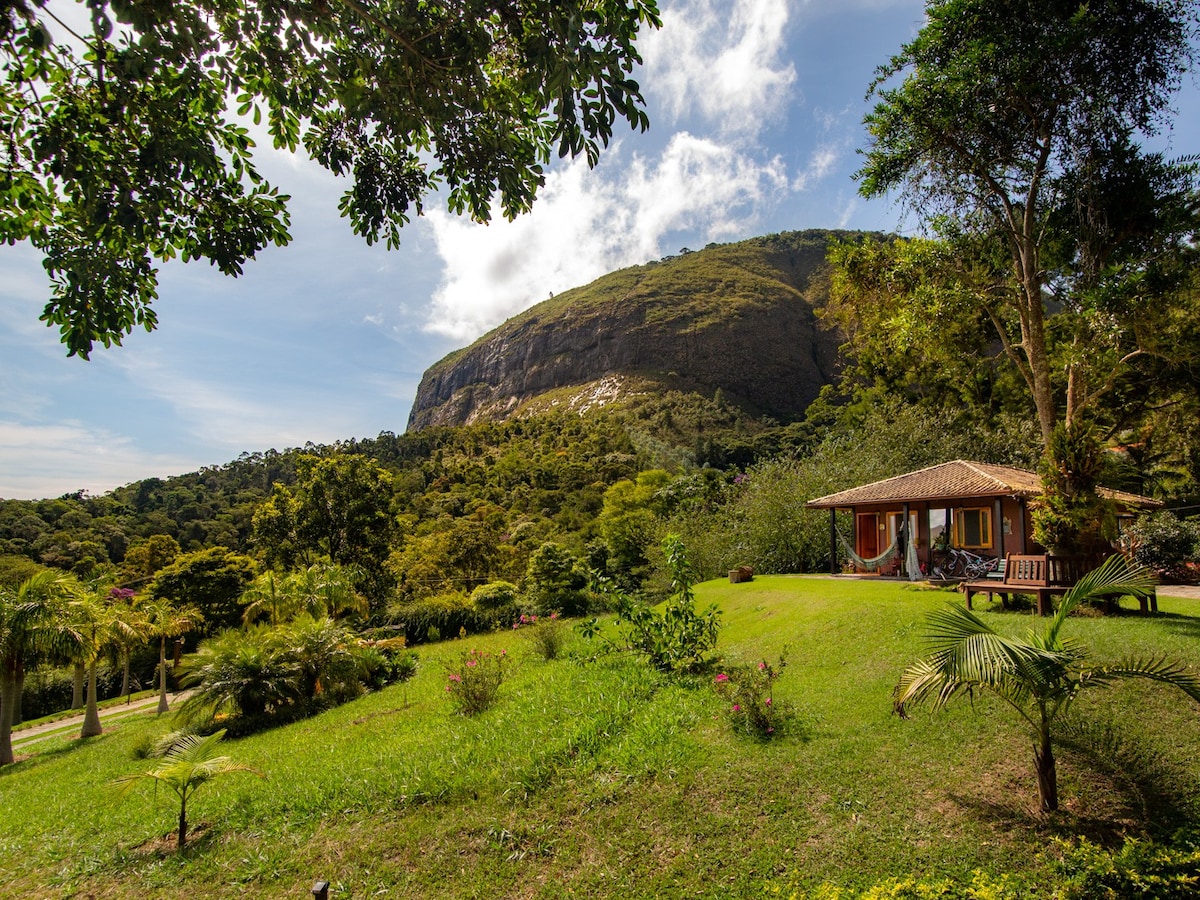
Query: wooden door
<point>866,535</point>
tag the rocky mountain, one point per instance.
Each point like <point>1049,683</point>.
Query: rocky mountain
<point>738,318</point>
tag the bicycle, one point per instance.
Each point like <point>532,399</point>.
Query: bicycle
<point>964,564</point>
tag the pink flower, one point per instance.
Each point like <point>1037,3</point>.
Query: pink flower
<point>454,676</point>
<point>768,701</point>
<point>762,666</point>
<point>722,678</point>
<point>770,731</point>
<point>470,663</point>
<point>736,708</point>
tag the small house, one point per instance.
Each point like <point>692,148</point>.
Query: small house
<point>959,505</point>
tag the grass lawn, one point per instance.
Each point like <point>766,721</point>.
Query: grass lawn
<point>603,779</point>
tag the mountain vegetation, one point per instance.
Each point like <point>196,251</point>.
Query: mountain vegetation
<point>738,319</point>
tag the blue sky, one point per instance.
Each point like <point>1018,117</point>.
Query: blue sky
<point>756,113</point>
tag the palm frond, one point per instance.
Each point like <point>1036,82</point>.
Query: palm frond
<point>1156,669</point>
<point>1117,577</point>
<point>966,653</point>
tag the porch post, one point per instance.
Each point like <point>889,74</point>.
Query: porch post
<point>905,537</point>
<point>998,527</point>
<point>833,566</point>
<point>1021,506</point>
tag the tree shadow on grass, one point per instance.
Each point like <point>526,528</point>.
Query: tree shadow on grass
<point>1188,626</point>
<point>1122,787</point>
<point>29,754</point>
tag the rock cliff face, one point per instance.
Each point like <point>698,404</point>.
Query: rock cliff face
<point>735,317</point>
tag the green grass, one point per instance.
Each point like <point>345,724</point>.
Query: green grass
<point>604,779</point>
<point>69,713</point>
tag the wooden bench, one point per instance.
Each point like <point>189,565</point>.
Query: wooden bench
<point>1042,576</point>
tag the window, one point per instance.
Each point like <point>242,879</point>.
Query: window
<point>973,528</point>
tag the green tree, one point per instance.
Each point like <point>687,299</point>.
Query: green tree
<point>109,626</point>
<point>556,580</point>
<point>124,151</point>
<point>210,580</point>
<point>1014,133</point>
<point>164,619</point>
<point>629,523</point>
<point>189,761</point>
<point>340,509</point>
<point>1040,676</point>
<point>1071,517</point>
<point>35,624</point>
<point>146,558</point>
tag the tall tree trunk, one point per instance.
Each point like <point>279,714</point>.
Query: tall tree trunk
<point>91,719</point>
<point>77,686</point>
<point>18,715</point>
<point>125,673</point>
<point>8,699</point>
<point>1047,773</point>
<point>162,676</point>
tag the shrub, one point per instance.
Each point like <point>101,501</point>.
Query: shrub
<point>981,887</point>
<point>547,634</point>
<point>1138,869</point>
<point>1164,543</point>
<point>753,709</point>
<point>381,663</point>
<point>497,599</point>
<point>264,675</point>
<point>475,683</point>
<point>445,614</point>
<point>677,639</point>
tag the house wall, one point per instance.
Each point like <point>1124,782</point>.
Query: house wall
<point>1006,521</point>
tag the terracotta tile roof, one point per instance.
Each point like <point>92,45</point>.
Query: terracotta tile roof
<point>956,480</point>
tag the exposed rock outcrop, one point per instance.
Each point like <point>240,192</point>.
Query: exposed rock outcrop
<point>735,317</point>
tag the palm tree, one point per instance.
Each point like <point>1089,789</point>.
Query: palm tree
<point>327,589</point>
<point>35,624</point>
<point>165,620</point>
<point>110,626</point>
<point>133,630</point>
<point>321,589</point>
<point>1039,676</point>
<point>188,762</point>
<point>240,672</point>
<point>266,594</point>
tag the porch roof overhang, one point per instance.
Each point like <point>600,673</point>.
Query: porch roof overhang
<point>957,480</point>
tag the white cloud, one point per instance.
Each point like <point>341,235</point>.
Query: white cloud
<point>253,412</point>
<point>43,460</point>
<point>588,223</point>
<point>820,165</point>
<point>722,60</point>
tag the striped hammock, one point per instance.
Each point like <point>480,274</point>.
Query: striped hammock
<point>872,564</point>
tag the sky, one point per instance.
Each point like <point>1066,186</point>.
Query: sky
<point>756,111</point>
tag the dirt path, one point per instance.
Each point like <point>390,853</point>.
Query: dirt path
<point>71,725</point>
<point>1187,591</point>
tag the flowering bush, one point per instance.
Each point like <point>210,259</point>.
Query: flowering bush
<point>748,691</point>
<point>475,684</point>
<point>547,634</point>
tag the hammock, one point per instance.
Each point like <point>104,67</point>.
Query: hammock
<point>911,563</point>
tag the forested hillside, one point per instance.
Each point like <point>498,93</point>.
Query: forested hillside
<point>736,318</point>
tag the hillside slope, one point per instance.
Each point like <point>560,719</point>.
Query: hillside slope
<point>734,317</point>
